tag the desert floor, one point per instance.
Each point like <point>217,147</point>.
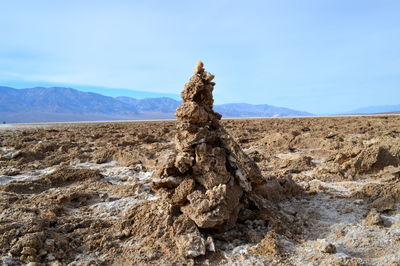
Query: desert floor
<point>80,194</point>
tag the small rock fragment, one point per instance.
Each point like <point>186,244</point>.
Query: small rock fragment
<point>210,244</point>
<point>183,190</point>
<point>373,218</point>
<point>50,257</point>
<point>199,68</point>
<point>28,251</point>
<point>326,247</point>
<point>167,182</point>
<point>33,264</point>
<point>386,203</point>
<point>191,245</point>
<point>269,246</point>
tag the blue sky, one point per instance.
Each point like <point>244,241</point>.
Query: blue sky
<point>312,55</point>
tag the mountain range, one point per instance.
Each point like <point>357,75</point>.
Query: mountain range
<point>377,109</point>
<point>58,104</point>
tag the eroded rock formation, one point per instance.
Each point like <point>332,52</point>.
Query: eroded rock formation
<point>212,178</point>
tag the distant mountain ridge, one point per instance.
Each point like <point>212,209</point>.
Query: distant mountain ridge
<point>256,110</point>
<point>61,100</point>
<point>162,104</point>
<point>58,104</point>
<point>377,109</point>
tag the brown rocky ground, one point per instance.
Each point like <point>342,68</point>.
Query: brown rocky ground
<point>80,194</point>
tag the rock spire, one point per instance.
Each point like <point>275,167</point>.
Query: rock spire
<point>211,178</point>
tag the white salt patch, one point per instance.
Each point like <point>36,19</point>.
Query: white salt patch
<point>117,208</point>
<point>244,183</point>
<point>339,221</point>
<point>370,141</point>
<point>84,257</point>
<point>242,249</point>
<point>325,211</point>
<point>152,197</point>
<point>288,155</point>
<point>309,173</point>
<point>240,255</point>
<point>316,161</point>
<point>248,150</point>
<point>6,149</point>
<point>350,137</point>
<point>395,217</point>
<point>46,171</point>
<point>114,208</point>
<point>345,188</point>
<point>11,155</point>
<point>95,165</point>
<point>144,176</point>
<point>308,150</point>
<point>4,179</point>
<point>23,126</point>
<point>117,174</point>
<point>8,260</point>
<point>28,175</point>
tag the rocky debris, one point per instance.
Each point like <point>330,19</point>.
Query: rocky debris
<point>61,176</point>
<point>211,178</point>
<point>10,172</point>
<point>183,190</point>
<point>297,165</point>
<point>102,156</point>
<point>215,208</point>
<point>208,155</point>
<point>269,245</point>
<point>278,187</point>
<point>326,247</point>
<point>383,194</point>
<point>385,203</point>
<point>191,245</point>
<point>391,173</point>
<point>368,159</point>
<point>10,155</point>
<point>373,218</point>
<point>375,158</point>
<point>331,135</point>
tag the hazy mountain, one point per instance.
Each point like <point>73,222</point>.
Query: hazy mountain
<point>163,104</point>
<point>259,110</point>
<point>61,100</point>
<point>377,109</point>
<point>168,105</point>
<point>65,104</point>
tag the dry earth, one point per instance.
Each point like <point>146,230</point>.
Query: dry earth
<point>80,194</point>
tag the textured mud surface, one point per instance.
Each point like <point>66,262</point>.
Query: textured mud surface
<point>159,193</point>
<point>81,194</point>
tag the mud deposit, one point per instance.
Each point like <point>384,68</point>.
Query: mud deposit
<point>82,194</point>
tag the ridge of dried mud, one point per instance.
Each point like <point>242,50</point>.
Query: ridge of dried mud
<point>81,194</point>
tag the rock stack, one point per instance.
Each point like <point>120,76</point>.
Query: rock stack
<point>211,178</point>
